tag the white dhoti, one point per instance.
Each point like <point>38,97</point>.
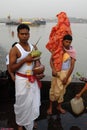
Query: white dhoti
<point>27,102</point>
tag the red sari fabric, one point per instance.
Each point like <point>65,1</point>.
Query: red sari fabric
<point>54,44</point>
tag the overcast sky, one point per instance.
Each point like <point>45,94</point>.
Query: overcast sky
<point>42,8</point>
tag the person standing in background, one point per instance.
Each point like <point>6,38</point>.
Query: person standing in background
<point>27,90</point>
<point>11,79</point>
<point>10,74</point>
<point>59,42</point>
<point>62,79</point>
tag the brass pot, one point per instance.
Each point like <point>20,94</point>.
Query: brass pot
<point>39,69</point>
<point>40,76</point>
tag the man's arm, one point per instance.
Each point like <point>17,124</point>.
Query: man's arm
<point>54,73</point>
<point>11,74</point>
<point>82,91</point>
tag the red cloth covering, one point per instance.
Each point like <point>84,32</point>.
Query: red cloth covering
<point>54,44</point>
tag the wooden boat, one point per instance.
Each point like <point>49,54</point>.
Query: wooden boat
<point>12,23</point>
<point>39,21</point>
<point>33,23</point>
<point>26,22</point>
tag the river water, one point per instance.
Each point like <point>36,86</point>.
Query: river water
<point>79,42</point>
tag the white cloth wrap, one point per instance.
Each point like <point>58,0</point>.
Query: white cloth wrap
<point>29,127</point>
<point>27,101</point>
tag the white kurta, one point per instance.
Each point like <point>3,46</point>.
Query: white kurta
<point>27,102</point>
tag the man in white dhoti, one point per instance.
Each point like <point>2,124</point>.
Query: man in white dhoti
<point>27,103</point>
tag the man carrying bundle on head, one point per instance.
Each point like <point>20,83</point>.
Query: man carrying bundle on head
<point>62,61</point>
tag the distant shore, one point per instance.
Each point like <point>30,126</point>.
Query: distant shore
<point>72,20</point>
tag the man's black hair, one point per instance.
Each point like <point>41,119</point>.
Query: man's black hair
<point>23,26</point>
<point>67,37</point>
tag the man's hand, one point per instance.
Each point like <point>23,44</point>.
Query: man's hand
<point>78,95</point>
<point>64,81</point>
<point>54,73</point>
<point>28,58</point>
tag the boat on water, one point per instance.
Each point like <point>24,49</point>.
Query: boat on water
<point>12,23</point>
<point>32,23</point>
<point>39,22</point>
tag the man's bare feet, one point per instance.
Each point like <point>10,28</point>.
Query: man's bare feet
<point>60,109</point>
<point>20,128</point>
<point>35,125</point>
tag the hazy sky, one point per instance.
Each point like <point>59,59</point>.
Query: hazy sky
<point>42,8</point>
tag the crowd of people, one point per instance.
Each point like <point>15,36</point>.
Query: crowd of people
<point>20,65</point>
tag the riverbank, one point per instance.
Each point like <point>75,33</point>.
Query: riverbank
<point>56,121</point>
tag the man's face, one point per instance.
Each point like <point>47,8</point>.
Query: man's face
<point>67,43</point>
<point>23,35</point>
